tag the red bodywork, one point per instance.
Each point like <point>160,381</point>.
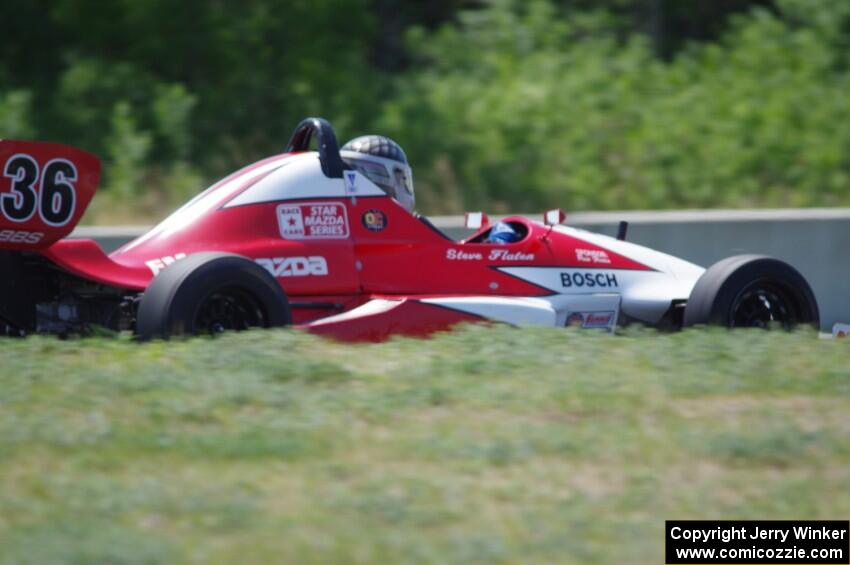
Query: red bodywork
<point>373,248</point>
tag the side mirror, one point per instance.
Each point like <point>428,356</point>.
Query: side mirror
<point>475,220</point>
<point>554,217</point>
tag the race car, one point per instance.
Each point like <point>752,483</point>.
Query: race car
<point>328,240</point>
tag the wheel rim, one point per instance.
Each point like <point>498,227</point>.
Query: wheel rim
<point>762,304</point>
<point>229,309</point>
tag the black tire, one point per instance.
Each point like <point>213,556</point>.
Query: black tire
<point>207,293</point>
<point>17,301</point>
<point>752,291</point>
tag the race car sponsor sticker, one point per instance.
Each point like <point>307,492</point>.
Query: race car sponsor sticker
<point>574,279</point>
<point>157,265</point>
<point>350,182</point>
<point>281,267</point>
<point>596,256</point>
<point>598,319</point>
<point>590,280</point>
<point>374,220</point>
<point>313,220</point>
<point>575,319</point>
<point>592,320</point>
<point>20,236</point>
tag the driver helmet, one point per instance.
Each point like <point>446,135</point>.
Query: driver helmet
<point>502,232</point>
<point>383,162</point>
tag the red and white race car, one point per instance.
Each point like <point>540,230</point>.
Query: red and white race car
<point>308,238</point>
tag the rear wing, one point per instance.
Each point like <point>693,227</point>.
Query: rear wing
<point>44,190</point>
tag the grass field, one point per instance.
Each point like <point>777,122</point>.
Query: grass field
<point>485,445</point>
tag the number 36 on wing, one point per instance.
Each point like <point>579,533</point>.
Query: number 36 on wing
<point>44,187</point>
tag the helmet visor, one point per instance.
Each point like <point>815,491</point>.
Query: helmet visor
<point>377,173</point>
<point>403,177</point>
<point>393,177</point>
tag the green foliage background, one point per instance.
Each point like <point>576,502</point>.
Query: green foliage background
<point>501,104</point>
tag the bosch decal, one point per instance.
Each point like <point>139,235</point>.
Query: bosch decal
<point>295,266</point>
<point>589,280</point>
<point>374,220</point>
<point>313,220</point>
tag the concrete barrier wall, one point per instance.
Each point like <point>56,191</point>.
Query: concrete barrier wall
<point>815,241</point>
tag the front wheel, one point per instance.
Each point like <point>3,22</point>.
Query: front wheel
<point>747,291</point>
<point>209,293</point>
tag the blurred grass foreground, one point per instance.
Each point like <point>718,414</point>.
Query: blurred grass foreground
<point>501,105</point>
<point>483,445</point>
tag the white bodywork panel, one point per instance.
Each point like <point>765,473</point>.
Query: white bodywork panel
<point>646,295</point>
<point>679,268</point>
<point>552,311</point>
<point>527,311</point>
<point>374,306</point>
<point>302,178</point>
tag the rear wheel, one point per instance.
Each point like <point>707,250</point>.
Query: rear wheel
<point>752,291</point>
<point>17,303</point>
<point>209,293</point>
